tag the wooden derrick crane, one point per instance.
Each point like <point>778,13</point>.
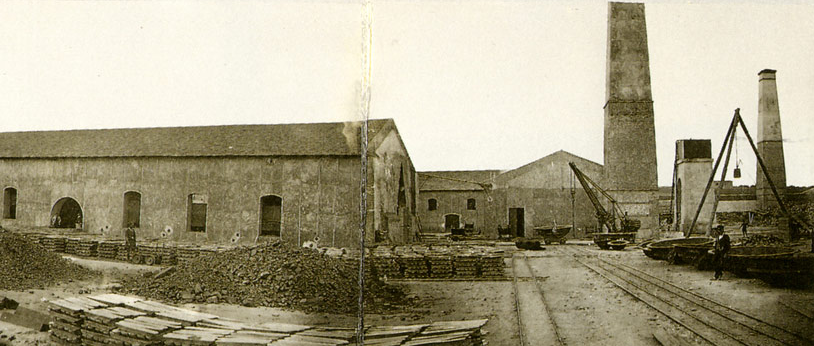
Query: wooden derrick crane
<point>606,218</point>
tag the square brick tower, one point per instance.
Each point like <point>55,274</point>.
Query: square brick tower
<point>630,135</point>
<point>769,141</point>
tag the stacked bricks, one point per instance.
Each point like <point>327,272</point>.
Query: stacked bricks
<point>386,263</point>
<point>53,244</point>
<point>415,265</point>
<point>492,266</point>
<point>440,262</point>
<point>71,245</point>
<point>108,249</point>
<point>467,265</point>
<point>87,248</point>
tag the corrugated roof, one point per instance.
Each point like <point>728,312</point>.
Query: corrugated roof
<point>339,138</point>
<point>455,180</point>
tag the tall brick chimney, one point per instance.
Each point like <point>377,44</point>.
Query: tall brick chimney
<point>769,140</point>
<point>630,136</point>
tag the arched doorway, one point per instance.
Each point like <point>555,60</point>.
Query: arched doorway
<point>132,209</point>
<point>66,213</point>
<point>451,221</point>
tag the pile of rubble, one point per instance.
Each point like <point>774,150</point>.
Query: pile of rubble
<point>761,240</point>
<point>270,274</point>
<point>25,265</point>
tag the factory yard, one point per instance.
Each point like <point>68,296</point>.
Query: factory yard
<point>564,295</point>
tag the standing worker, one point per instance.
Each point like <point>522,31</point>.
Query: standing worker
<point>722,245</point>
<point>743,227</point>
<point>130,240</point>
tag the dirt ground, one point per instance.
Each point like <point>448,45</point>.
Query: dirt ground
<point>587,309</point>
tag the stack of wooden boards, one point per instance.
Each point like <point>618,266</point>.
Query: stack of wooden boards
<point>111,319</point>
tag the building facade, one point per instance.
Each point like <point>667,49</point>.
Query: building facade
<point>213,184</point>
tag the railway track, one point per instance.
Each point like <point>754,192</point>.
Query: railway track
<point>524,334</point>
<point>712,321</point>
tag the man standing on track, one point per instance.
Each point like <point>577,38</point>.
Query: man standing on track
<point>722,245</point>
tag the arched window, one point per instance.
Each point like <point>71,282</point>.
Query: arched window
<point>271,212</point>
<point>470,204</point>
<point>432,204</point>
<point>132,209</point>
<point>196,212</point>
<point>10,203</point>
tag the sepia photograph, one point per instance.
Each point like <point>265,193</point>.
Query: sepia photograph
<point>390,172</point>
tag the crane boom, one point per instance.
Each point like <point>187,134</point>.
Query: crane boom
<point>604,217</point>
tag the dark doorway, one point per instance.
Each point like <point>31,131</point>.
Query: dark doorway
<point>451,221</point>
<point>517,222</point>
<point>132,209</point>
<point>10,203</point>
<point>66,213</point>
<point>271,211</point>
<point>196,217</point>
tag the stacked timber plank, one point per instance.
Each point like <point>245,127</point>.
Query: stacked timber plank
<point>68,317</point>
<point>391,335</point>
<point>87,248</point>
<point>114,319</point>
<point>249,338</point>
<point>100,323</point>
<point>458,333</point>
<point>53,244</point>
<point>142,331</point>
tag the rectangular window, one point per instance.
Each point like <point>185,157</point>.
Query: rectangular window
<point>197,212</point>
<point>432,204</point>
<point>470,204</point>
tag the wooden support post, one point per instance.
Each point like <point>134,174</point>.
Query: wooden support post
<point>714,169</point>
<point>769,179</point>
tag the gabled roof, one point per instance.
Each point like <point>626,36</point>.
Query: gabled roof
<point>455,180</point>
<point>558,156</point>
<point>313,139</point>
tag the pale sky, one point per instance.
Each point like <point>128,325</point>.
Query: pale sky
<point>471,85</point>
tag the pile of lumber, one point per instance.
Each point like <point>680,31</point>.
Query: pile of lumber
<point>69,317</point>
<point>123,320</point>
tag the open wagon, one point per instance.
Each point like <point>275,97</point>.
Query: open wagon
<point>777,265</point>
<point>602,239</point>
<point>663,248</point>
<point>555,234</point>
